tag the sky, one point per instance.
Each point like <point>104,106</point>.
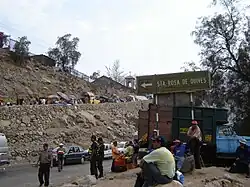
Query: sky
<point>147,36</point>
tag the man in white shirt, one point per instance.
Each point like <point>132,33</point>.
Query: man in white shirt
<point>158,167</point>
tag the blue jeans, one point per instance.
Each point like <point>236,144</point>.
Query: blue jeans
<point>179,162</point>
<point>152,175</point>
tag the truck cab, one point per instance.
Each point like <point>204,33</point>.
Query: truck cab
<point>227,141</point>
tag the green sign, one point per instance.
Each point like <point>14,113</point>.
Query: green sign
<point>176,82</point>
<point>145,84</point>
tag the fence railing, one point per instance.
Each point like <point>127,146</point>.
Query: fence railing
<point>80,75</point>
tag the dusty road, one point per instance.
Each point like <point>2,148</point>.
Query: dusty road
<point>26,176</point>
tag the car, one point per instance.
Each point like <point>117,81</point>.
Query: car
<point>121,146</point>
<point>74,155</point>
<point>107,151</point>
<point>4,151</point>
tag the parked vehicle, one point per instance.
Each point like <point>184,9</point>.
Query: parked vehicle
<point>175,121</point>
<point>107,151</point>
<point>227,141</point>
<point>74,155</point>
<point>4,150</point>
<point>121,146</point>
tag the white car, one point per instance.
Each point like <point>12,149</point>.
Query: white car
<point>121,147</point>
<point>107,151</point>
<point>4,151</point>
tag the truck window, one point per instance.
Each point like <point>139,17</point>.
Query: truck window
<point>226,131</point>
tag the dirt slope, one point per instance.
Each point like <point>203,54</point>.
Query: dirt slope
<point>35,79</point>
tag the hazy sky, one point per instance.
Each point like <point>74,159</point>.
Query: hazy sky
<point>147,36</point>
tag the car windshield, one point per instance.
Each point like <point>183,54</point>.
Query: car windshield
<point>120,145</point>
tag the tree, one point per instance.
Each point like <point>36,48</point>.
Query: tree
<point>190,66</point>
<point>22,46</point>
<point>95,75</point>
<point>225,47</point>
<point>65,53</point>
<point>115,72</point>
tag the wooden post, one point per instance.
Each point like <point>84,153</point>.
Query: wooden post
<point>157,114</point>
<point>192,105</point>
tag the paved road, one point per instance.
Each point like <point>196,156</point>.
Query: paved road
<point>26,176</point>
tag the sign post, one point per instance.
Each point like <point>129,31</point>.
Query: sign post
<point>192,105</point>
<point>173,83</point>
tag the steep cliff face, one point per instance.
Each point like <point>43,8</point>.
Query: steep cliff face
<point>28,127</point>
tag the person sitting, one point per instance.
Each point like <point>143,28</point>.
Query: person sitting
<point>179,153</point>
<point>129,151</point>
<point>152,138</point>
<point>242,158</point>
<point>158,167</point>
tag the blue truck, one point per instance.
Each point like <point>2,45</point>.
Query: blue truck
<point>219,138</point>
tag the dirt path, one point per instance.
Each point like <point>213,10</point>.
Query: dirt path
<point>196,179</point>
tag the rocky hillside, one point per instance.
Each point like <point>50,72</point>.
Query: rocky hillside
<point>34,79</point>
<point>28,127</point>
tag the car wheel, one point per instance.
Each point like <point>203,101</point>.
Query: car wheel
<point>82,160</point>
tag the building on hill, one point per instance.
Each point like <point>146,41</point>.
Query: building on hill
<point>130,81</point>
<point>109,85</point>
<point>44,60</point>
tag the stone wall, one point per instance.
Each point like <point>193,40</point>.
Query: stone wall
<point>28,127</point>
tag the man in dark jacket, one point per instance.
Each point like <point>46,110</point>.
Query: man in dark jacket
<point>93,156</point>
<point>100,156</point>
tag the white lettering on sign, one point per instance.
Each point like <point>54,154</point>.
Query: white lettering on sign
<point>184,81</point>
<point>198,81</point>
<point>181,82</point>
<point>168,83</point>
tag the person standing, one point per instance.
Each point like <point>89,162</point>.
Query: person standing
<point>45,163</point>
<point>115,155</point>
<point>100,156</point>
<point>93,157</point>
<point>129,152</point>
<point>195,141</point>
<point>136,152</point>
<point>60,157</point>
